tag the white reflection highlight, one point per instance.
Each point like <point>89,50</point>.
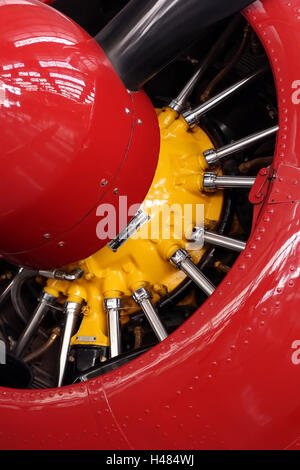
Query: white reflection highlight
<point>27,42</point>
<point>12,89</point>
<point>55,63</point>
<point>67,77</point>
<point>15,66</point>
<point>70,85</point>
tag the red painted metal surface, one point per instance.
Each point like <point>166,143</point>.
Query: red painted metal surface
<point>226,378</point>
<point>60,99</point>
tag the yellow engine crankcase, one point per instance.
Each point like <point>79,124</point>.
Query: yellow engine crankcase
<point>142,261</point>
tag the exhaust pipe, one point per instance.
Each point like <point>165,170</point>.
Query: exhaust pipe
<point>147,35</point>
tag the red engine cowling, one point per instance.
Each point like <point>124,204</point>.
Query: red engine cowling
<point>62,152</point>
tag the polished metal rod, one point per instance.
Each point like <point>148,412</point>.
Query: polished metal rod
<point>211,181</point>
<point>143,298</point>
<point>178,104</point>
<point>214,156</point>
<point>62,275</point>
<point>201,236</point>
<point>31,329</point>
<point>4,295</point>
<point>193,116</point>
<point>113,307</point>
<point>71,310</point>
<point>224,242</point>
<point>182,261</point>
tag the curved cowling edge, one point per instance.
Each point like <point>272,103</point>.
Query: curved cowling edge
<point>228,377</point>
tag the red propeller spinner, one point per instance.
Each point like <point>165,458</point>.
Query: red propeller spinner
<point>72,137</point>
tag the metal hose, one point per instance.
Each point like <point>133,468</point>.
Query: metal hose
<point>16,293</point>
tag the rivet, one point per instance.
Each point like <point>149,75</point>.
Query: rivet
<point>47,235</point>
<point>103,182</point>
<point>60,244</point>
<point>140,122</point>
<point>116,191</point>
<point>127,110</point>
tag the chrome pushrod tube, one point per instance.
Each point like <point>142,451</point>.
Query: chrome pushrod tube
<point>5,294</point>
<point>71,310</point>
<point>215,156</point>
<point>46,301</point>
<point>143,298</point>
<point>113,307</point>
<point>211,181</point>
<point>193,116</point>
<point>178,104</point>
<point>224,242</point>
<point>182,260</point>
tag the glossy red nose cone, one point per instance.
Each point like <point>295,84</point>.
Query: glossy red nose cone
<point>71,136</point>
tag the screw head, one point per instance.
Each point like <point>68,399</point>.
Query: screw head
<point>127,110</point>
<point>47,235</point>
<point>60,244</point>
